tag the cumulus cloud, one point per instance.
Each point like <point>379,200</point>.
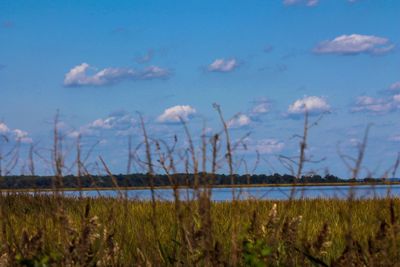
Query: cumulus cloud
<point>263,146</point>
<point>309,3</point>
<point>239,121</point>
<point>80,76</point>
<point>106,123</point>
<point>371,104</point>
<point>355,44</point>
<point>176,113</point>
<point>312,104</point>
<point>22,136</point>
<point>16,134</point>
<point>354,142</point>
<point>4,128</point>
<point>269,146</point>
<point>19,133</point>
<point>395,86</point>
<point>120,121</point>
<point>223,65</point>
<point>74,134</point>
<point>396,99</point>
<point>376,105</point>
<point>153,72</point>
<point>260,108</point>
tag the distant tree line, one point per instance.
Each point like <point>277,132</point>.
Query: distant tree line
<point>145,180</point>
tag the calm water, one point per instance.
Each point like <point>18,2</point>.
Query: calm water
<point>277,193</point>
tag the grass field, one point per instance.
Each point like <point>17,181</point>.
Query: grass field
<point>53,231</point>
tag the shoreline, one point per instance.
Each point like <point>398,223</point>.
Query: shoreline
<point>187,187</point>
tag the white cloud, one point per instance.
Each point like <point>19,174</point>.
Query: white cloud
<point>79,76</point>
<point>85,130</point>
<point>106,123</point>
<point>4,128</point>
<point>312,104</point>
<point>263,146</point>
<point>395,100</point>
<point>120,121</point>
<point>261,108</point>
<point>17,134</point>
<point>238,121</point>
<point>175,113</point>
<point>354,142</point>
<point>269,146</point>
<point>355,44</point>
<point>223,65</point>
<point>375,105</point>
<point>74,134</point>
<point>153,72</point>
<point>395,86</point>
<point>114,122</point>
<point>22,136</point>
<point>309,3</point>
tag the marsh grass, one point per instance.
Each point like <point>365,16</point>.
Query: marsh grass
<point>55,230</point>
<point>101,232</point>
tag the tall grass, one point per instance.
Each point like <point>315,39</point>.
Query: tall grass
<point>100,232</point>
<point>54,230</point>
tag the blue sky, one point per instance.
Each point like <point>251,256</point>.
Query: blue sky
<point>263,62</point>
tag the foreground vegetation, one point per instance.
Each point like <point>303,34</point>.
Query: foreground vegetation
<point>52,230</point>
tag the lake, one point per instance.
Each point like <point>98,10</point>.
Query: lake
<point>273,193</point>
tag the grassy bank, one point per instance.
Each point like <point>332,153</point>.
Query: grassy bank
<point>51,230</point>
